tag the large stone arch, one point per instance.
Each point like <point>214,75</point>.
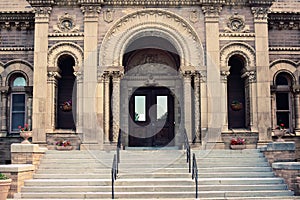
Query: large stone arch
<point>238,48</point>
<point>68,48</point>
<point>149,22</point>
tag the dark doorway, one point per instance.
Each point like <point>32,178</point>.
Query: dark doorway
<point>236,94</point>
<point>151,121</point>
<point>65,118</point>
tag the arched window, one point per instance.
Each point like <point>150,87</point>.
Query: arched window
<point>283,83</point>
<point>18,101</point>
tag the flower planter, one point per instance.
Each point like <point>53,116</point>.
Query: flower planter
<point>4,188</point>
<point>64,148</point>
<point>279,133</point>
<point>238,146</point>
<point>66,108</point>
<point>236,106</point>
<point>26,135</point>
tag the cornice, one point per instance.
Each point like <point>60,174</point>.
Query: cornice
<point>66,34</point>
<point>284,21</point>
<point>237,34</point>
<point>16,48</point>
<point>284,48</point>
<point>18,21</point>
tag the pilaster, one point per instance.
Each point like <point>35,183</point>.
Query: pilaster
<point>116,78</point>
<point>39,115</point>
<point>4,91</point>
<point>262,73</point>
<point>91,129</point>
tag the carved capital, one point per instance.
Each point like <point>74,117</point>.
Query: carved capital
<point>296,89</point>
<point>187,75</point>
<point>212,11</point>
<point>79,75</point>
<point>251,75</point>
<point>53,76</point>
<point>42,13</point>
<point>224,76</point>
<point>260,13</point>
<point>116,75</point>
<point>90,11</point>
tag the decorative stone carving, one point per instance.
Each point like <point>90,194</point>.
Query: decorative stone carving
<point>42,13</point>
<point>260,13</point>
<point>194,16</point>
<point>224,76</point>
<point>90,11</point>
<point>211,11</point>
<point>52,76</point>
<point>17,21</point>
<point>66,23</point>
<point>236,23</point>
<point>108,15</point>
<point>251,75</point>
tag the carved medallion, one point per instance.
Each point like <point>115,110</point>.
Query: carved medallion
<point>66,24</point>
<point>108,15</point>
<point>236,23</point>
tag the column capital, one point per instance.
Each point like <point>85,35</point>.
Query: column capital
<point>224,76</point>
<point>251,75</point>
<point>296,89</point>
<point>103,76</point>
<point>4,89</point>
<point>116,75</point>
<point>260,14</point>
<point>79,75</point>
<point>90,11</point>
<point>42,14</point>
<point>53,76</point>
<point>212,11</point>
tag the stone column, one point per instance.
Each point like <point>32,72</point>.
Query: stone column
<point>187,101</point>
<point>215,110</point>
<point>116,76</point>
<point>40,98</point>
<point>52,105</point>
<point>91,129</point>
<point>197,106</point>
<point>262,76</point>
<point>224,80</point>
<point>79,102</point>
<point>297,109</point>
<point>203,105</point>
<point>4,91</point>
<point>253,103</point>
<point>106,105</point>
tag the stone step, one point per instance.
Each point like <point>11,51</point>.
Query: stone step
<point>67,182</point>
<point>153,195</point>
<point>229,164</point>
<point>240,181</point>
<point>173,188</point>
<point>235,169</point>
<point>236,174</point>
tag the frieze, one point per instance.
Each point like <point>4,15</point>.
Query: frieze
<point>284,22</point>
<point>66,24</point>
<point>17,21</point>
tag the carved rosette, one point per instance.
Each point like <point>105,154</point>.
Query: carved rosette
<point>260,13</point>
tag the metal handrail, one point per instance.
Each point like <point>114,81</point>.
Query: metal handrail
<point>188,150</point>
<point>114,172</point>
<point>195,173</point>
<point>115,165</point>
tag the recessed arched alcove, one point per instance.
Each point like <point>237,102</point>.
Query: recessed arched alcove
<point>65,92</point>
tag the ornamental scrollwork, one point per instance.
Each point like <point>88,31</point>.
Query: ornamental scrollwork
<point>65,24</point>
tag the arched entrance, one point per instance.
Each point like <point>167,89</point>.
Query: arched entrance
<point>65,117</point>
<point>236,94</point>
<point>150,85</point>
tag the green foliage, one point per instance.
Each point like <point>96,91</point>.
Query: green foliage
<point>3,177</point>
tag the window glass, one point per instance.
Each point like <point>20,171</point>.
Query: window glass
<point>18,111</point>
<point>19,81</point>
<point>140,108</point>
<point>162,107</point>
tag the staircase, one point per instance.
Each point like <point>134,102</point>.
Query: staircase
<point>223,174</point>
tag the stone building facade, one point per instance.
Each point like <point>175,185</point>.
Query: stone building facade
<point>149,68</point>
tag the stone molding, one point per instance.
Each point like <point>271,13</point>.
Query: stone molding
<point>151,22</point>
<point>16,49</point>
<point>65,48</point>
<point>237,48</point>
<point>284,49</point>
<point>19,21</point>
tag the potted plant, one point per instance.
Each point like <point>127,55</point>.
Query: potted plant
<point>236,105</point>
<point>66,106</point>
<point>63,145</point>
<point>237,143</point>
<point>279,131</point>
<point>25,133</point>
<point>5,183</point>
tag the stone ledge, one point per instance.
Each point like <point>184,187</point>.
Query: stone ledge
<point>16,168</point>
<point>286,165</point>
<point>26,148</point>
<point>280,146</point>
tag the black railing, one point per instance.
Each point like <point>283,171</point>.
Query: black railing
<point>195,173</point>
<point>115,165</point>
<point>188,149</point>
